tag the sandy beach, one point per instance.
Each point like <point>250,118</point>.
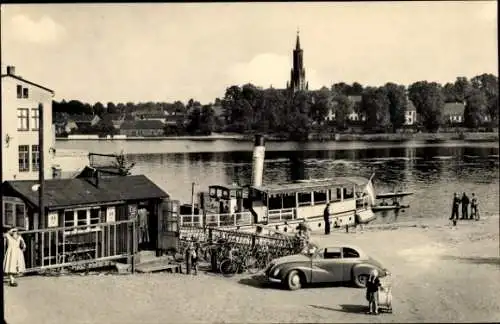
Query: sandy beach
<point>440,274</point>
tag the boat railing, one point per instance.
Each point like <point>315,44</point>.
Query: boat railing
<point>234,219</point>
<point>279,215</point>
<point>191,220</point>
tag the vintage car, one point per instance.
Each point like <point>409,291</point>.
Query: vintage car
<point>323,265</point>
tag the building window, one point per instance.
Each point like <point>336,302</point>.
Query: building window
<point>19,91</point>
<point>15,215</point>
<point>24,158</point>
<point>82,218</point>
<point>35,119</point>
<point>9,214</point>
<point>22,119</point>
<point>25,92</point>
<point>69,218</point>
<point>35,157</point>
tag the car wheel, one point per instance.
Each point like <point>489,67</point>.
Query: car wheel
<point>360,280</point>
<point>293,280</point>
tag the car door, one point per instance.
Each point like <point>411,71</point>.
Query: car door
<point>350,257</point>
<point>327,265</point>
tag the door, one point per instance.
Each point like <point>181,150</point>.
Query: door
<point>327,266</point>
<point>168,229</point>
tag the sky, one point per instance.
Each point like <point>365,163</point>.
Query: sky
<point>166,52</point>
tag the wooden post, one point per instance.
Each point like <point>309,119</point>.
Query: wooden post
<point>192,202</point>
<point>41,167</point>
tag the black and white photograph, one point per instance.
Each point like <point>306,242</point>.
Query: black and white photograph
<point>250,162</point>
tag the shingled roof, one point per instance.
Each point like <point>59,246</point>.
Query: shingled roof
<point>454,108</point>
<point>80,191</point>
<point>143,124</point>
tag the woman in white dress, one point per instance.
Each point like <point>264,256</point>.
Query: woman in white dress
<point>14,257</point>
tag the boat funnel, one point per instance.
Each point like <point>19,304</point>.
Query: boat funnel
<point>259,151</point>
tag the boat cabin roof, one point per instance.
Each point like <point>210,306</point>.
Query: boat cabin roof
<point>310,185</point>
<point>227,187</point>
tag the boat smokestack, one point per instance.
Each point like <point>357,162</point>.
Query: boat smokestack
<point>259,151</point>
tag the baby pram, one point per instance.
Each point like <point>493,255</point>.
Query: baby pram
<point>385,294</point>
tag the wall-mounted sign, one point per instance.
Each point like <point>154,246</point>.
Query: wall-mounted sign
<point>53,219</point>
<point>110,215</point>
<point>132,211</point>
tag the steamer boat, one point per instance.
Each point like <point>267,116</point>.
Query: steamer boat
<point>282,206</point>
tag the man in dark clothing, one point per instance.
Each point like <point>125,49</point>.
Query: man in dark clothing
<point>465,206</point>
<point>473,208</point>
<point>326,217</point>
<point>454,208</point>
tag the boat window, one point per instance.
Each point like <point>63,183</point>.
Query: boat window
<point>232,193</point>
<point>274,202</point>
<point>335,195</point>
<point>348,193</point>
<point>304,198</point>
<point>289,200</point>
<point>257,195</point>
<point>350,253</point>
<point>212,192</point>
<point>319,197</point>
<point>225,194</point>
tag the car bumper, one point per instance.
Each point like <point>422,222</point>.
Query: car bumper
<point>274,280</point>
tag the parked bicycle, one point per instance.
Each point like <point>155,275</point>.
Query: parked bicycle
<point>238,261</point>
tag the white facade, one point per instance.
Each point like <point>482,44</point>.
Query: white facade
<point>410,117</point>
<point>19,138</point>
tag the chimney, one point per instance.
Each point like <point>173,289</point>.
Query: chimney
<point>258,160</point>
<point>11,70</point>
<point>96,174</point>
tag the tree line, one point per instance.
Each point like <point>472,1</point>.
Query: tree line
<point>250,109</point>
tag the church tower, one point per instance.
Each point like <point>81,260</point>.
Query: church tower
<point>298,73</point>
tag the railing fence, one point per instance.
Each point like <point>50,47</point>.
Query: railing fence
<point>79,246</point>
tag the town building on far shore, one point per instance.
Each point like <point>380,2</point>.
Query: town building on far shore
<point>453,113</point>
<point>142,128</point>
<point>298,73</point>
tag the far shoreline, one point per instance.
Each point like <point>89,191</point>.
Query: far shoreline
<point>386,137</point>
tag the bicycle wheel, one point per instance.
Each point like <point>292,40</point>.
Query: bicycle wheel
<point>252,264</point>
<point>71,259</point>
<point>228,268</point>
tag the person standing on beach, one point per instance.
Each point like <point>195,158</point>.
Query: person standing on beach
<point>474,213</point>
<point>465,206</point>
<point>326,217</point>
<point>14,257</point>
<point>454,208</point>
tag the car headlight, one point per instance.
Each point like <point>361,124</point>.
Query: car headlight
<point>276,272</point>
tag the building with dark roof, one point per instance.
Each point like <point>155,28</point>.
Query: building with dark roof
<point>142,128</point>
<point>94,213</point>
<point>453,112</point>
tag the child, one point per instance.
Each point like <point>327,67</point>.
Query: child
<point>14,257</point>
<point>372,292</point>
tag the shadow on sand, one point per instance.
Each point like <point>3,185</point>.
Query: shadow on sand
<point>346,308</point>
<point>260,281</point>
<point>474,260</point>
<point>256,281</point>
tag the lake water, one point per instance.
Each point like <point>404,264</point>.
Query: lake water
<point>433,171</point>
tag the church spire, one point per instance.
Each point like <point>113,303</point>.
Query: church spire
<point>297,44</point>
